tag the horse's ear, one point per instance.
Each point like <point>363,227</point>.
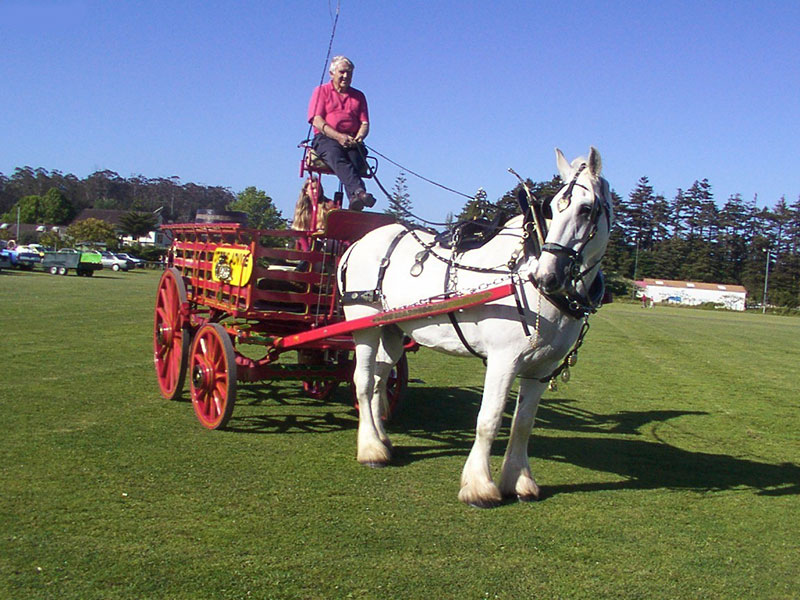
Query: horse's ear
<point>595,162</point>
<point>564,168</point>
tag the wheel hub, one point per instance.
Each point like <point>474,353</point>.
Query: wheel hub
<point>199,377</point>
<point>164,335</point>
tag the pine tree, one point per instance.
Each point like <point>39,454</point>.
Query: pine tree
<point>400,202</point>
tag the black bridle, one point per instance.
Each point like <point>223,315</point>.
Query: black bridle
<point>572,302</point>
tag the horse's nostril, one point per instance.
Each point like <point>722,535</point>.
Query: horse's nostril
<point>549,282</point>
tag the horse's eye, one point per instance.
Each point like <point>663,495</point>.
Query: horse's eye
<point>585,210</point>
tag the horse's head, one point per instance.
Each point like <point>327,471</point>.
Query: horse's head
<point>581,217</point>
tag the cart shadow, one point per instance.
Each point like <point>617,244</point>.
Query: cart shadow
<point>281,404</point>
<point>443,420</point>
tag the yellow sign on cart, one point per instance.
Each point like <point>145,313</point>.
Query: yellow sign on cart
<point>232,265</point>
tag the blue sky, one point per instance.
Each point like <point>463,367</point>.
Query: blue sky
<point>216,92</point>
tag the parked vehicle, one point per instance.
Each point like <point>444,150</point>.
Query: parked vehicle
<point>84,263</point>
<point>113,262</point>
<point>137,262</point>
<point>20,257</point>
<point>39,249</point>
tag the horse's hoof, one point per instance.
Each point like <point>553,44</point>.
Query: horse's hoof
<point>489,498</point>
<point>528,497</point>
<point>484,504</point>
<point>375,464</point>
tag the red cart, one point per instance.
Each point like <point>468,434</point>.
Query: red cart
<point>230,293</point>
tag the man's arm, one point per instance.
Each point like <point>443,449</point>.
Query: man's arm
<point>363,132</point>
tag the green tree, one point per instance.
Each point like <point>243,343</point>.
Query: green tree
<point>92,231</point>
<point>29,209</point>
<point>56,208</point>
<point>137,224</point>
<point>400,202</point>
<point>261,212</point>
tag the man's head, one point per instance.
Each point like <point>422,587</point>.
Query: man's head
<point>341,73</point>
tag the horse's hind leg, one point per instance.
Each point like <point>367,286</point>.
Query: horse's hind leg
<point>389,352</point>
<point>371,449</point>
<point>516,478</point>
<point>477,487</point>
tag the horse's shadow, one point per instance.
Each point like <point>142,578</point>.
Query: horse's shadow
<point>440,422</point>
<point>642,464</point>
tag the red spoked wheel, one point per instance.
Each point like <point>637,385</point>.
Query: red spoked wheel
<point>395,388</point>
<point>212,362</point>
<point>170,337</point>
<point>319,390</point>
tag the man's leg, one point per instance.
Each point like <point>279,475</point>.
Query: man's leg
<point>337,158</point>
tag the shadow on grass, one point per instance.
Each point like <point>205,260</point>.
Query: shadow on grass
<point>447,417</point>
<point>441,422</point>
<point>281,404</point>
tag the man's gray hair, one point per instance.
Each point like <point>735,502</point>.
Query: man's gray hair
<point>340,59</point>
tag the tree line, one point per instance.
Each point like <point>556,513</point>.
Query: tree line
<point>686,237</point>
<point>39,196</point>
<point>57,198</point>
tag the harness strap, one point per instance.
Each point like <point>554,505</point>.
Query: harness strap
<point>574,352</point>
<point>460,334</point>
<point>577,307</point>
<point>373,295</point>
<point>521,311</point>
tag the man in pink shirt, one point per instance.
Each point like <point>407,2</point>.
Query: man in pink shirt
<point>340,119</point>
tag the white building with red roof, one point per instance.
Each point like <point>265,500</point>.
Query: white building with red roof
<point>689,293</point>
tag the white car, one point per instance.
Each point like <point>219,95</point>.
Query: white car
<point>113,262</point>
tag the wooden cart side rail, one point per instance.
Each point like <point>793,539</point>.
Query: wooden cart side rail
<point>398,315</point>
<point>192,247</point>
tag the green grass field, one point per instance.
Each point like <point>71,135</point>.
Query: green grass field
<point>670,466</point>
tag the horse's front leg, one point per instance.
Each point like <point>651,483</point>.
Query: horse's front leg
<point>477,487</point>
<point>371,449</point>
<point>516,478</point>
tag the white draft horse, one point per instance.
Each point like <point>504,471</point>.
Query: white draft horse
<point>527,335</point>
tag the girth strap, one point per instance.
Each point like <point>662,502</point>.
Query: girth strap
<point>373,295</point>
<point>460,334</point>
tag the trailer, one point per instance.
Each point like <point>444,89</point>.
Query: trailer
<point>59,263</point>
<point>227,286</point>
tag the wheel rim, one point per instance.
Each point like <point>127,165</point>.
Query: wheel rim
<point>212,363</point>
<point>170,338</point>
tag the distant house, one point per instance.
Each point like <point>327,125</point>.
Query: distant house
<point>26,232</point>
<point>690,293</point>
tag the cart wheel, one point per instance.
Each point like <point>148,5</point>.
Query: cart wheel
<point>62,270</point>
<point>170,338</point>
<point>212,362</point>
<point>53,270</point>
<point>395,388</point>
<point>319,390</point>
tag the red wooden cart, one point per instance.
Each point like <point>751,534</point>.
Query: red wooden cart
<point>230,293</point>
